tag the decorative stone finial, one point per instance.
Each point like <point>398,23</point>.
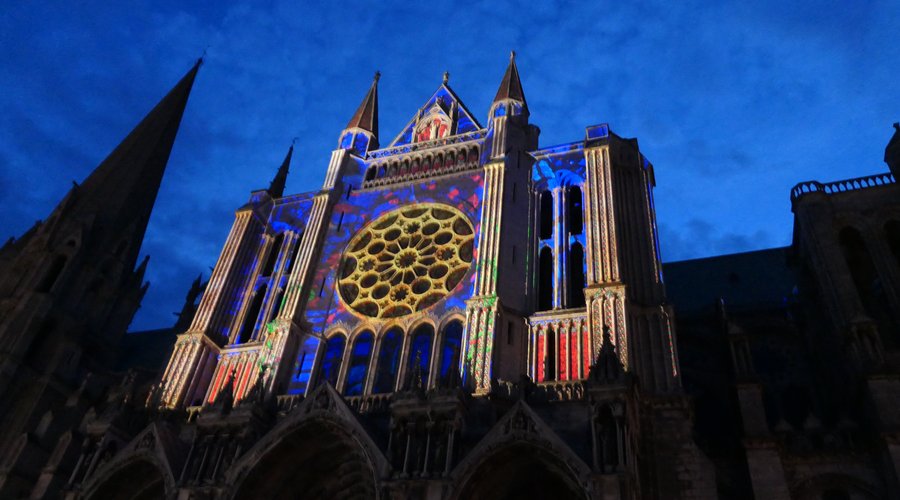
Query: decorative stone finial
<point>512,55</point>
<point>446,77</point>
<point>377,76</point>
<point>897,126</point>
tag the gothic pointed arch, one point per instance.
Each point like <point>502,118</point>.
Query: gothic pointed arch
<point>137,479</point>
<point>521,457</point>
<point>142,470</point>
<point>318,451</point>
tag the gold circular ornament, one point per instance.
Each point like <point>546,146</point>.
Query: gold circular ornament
<point>406,260</point>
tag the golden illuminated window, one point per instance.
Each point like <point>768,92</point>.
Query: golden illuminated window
<point>406,260</point>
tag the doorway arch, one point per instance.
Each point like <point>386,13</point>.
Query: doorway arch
<point>520,470</point>
<point>315,459</point>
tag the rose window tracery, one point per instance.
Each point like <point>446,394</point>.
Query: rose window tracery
<point>406,260</point>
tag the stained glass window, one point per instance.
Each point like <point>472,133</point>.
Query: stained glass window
<point>420,352</point>
<point>388,362</point>
<point>359,364</point>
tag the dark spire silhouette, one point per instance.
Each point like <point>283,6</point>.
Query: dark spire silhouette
<point>607,368</point>
<point>892,152</point>
<point>511,86</point>
<point>276,187</point>
<point>123,188</point>
<point>366,116</point>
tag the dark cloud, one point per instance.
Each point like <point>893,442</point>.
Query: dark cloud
<point>733,103</point>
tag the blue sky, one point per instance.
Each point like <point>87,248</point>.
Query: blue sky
<point>734,103</point>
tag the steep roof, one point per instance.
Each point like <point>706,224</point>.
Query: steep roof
<point>511,85</point>
<point>366,116</point>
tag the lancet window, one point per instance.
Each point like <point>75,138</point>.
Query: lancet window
<point>330,367</point>
<point>252,314</point>
<point>419,357</point>
<point>388,361</point>
<point>451,347</point>
<point>560,242</point>
<point>359,364</point>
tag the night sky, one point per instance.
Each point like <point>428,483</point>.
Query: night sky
<point>732,104</point>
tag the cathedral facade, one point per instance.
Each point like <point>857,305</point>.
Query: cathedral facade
<point>461,313</point>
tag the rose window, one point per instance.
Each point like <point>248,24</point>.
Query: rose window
<point>406,260</point>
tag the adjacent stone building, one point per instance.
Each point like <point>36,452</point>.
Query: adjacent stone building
<point>461,313</point>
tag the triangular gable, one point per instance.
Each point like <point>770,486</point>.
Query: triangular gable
<point>444,97</point>
<point>520,424</point>
<point>159,440</point>
<point>322,403</point>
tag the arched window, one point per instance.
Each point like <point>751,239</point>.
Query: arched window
<point>274,250</point>
<point>388,362</point>
<point>370,173</point>
<point>359,364</point>
<point>331,360</point>
<point>545,280</point>
<point>868,284</point>
<point>550,354</point>
<point>451,348</point>
<point>56,267</point>
<point>576,276</point>
<point>546,215</point>
<point>473,156</point>
<point>420,353</point>
<point>450,160</point>
<point>575,210</point>
<point>252,314</point>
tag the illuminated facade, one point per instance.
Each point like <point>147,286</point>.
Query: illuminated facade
<point>465,314</point>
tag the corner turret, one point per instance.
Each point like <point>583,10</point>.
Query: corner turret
<point>361,133</point>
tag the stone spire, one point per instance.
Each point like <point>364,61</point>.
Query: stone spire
<point>122,189</point>
<point>511,86</point>
<point>366,116</point>
<point>276,187</point>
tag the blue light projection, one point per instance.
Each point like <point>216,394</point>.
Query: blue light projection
<point>304,366</point>
<point>558,169</point>
<point>597,131</point>
<point>347,141</point>
<point>359,363</point>
<point>388,361</point>
<point>358,207</point>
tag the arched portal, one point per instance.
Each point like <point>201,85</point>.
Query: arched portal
<point>317,460</point>
<point>521,471</point>
<point>139,480</point>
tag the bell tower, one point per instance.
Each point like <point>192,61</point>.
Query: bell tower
<point>70,286</point>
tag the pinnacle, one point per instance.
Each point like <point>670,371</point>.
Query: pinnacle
<point>276,187</point>
<point>511,86</point>
<point>366,116</point>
